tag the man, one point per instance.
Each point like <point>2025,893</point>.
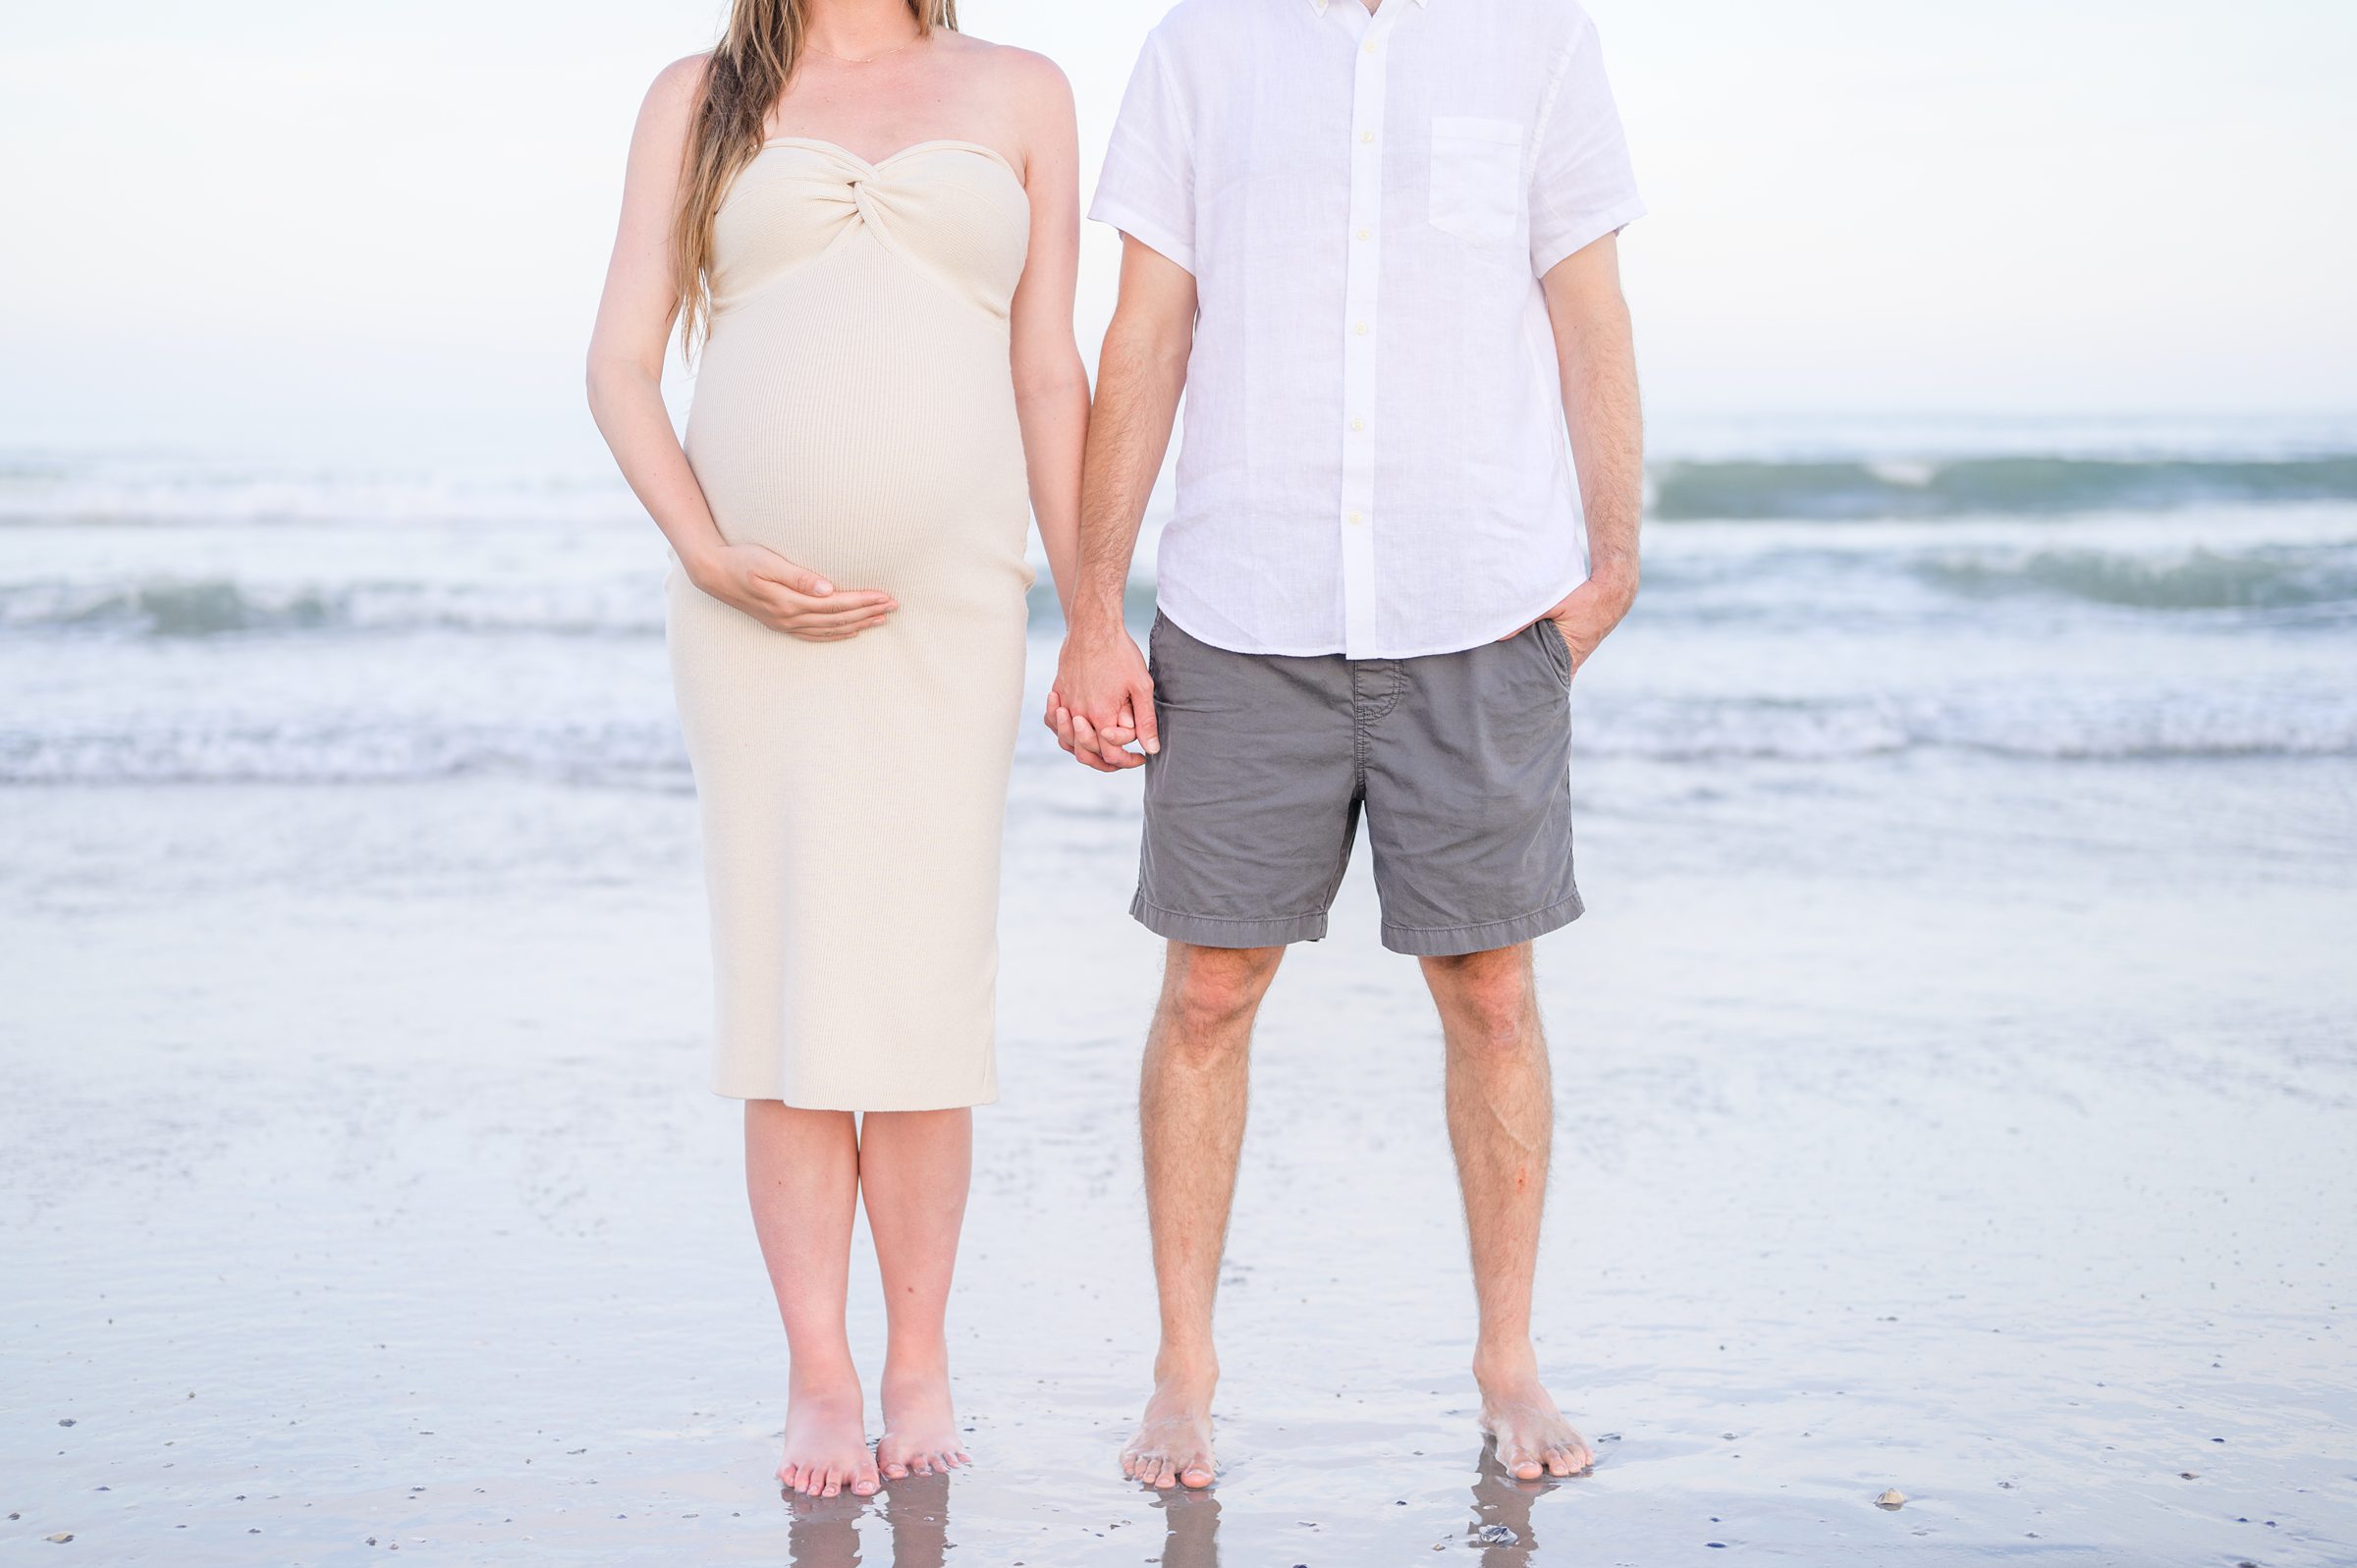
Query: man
<point>1373,241</point>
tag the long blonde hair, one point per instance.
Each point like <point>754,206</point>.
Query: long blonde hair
<point>744,79</point>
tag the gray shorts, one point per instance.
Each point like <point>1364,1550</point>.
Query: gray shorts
<point>1460,761</point>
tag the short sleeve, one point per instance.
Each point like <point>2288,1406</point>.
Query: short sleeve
<point>1148,188</point>
<point>1581,184</point>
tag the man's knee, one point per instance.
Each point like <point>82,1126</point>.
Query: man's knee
<point>1210,994</point>
<point>1488,1001</point>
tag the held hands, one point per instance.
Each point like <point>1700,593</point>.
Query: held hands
<point>785,597</point>
<point>1103,698</point>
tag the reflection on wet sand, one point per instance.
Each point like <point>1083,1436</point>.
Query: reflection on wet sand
<point>1501,1512</point>
<point>915,1512</point>
<point>825,1531</point>
<point>1190,1525</point>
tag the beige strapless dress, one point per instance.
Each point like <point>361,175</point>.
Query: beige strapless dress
<point>854,412</point>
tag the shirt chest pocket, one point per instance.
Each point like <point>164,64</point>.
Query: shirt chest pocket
<point>1476,177</point>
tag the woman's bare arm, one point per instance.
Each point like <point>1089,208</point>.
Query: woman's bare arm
<point>635,319</point>
<point>1051,386</point>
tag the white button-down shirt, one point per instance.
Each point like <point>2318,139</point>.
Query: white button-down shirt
<point>1374,460</point>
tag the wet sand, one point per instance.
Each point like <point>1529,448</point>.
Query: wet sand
<point>361,1193</point>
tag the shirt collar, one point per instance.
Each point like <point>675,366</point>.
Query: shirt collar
<point>1319,5</point>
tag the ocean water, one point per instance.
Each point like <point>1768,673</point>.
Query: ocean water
<point>174,622</point>
<point>1955,1068</point>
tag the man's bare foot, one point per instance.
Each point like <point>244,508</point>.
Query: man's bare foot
<point>920,1425</point>
<point>1173,1445</point>
<point>826,1439</point>
<point>1532,1436</point>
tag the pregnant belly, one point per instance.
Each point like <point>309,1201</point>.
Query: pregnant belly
<point>879,470</point>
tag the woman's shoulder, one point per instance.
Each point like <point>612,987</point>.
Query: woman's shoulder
<point>670,101</point>
<point>681,79</point>
<point>1023,74</point>
<point>1025,87</point>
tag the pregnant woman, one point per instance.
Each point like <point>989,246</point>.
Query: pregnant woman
<point>870,222</point>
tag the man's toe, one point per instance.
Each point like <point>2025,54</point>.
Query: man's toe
<point>1197,1476</point>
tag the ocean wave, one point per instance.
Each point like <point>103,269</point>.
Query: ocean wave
<point>359,753</point>
<point>2197,579</point>
<point>629,606</point>
<point>1773,730</point>
<point>121,491</point>
<point>1987,486</point>
<point>207,607</point>
<point>642,752</point>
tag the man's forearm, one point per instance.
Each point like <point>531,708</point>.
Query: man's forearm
<point>1607,440</point>
<point>1597,351</point>
<point>1139,382</point>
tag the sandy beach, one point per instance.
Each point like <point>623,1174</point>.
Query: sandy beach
<point>1954,1070</point>
<point>361,1193</point>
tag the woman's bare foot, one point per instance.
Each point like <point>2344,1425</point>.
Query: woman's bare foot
<point>1173,1445</point>
<point>920,1425</point>
<point>826,1439</point>
<point>1532,1436</point>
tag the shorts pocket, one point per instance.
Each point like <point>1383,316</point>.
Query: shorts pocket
<point>1558,648</point>
<point>1476,177</point>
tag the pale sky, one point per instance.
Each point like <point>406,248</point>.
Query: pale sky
<point>272,225</point>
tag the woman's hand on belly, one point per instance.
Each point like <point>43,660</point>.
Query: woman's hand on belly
<point>783,596</point>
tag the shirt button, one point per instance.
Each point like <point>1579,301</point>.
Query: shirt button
<point>1360,329</point>
<point>1366,135</point>
<point>1366,234</point>
<point>1370,46</point>
<point>1358,424</point>
<point>1356,520</point>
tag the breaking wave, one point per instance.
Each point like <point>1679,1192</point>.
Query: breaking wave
<point>2279,579</point>
<point>646,750</point>
<point>206,607</point>
<point>1985,486</point>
